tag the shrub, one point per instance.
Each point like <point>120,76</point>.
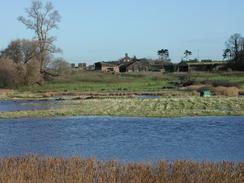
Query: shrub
<point>9,73</point>
<point>226,91</point>
<point>187,83</point>
<point>13,74</point>
<point>231,91</point>
<point>32,74</point>
<point>61,67</point>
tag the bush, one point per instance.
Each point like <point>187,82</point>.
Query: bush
<point>9,74</point>
<point>231,91</point>
<point>218,90</point>
<point>32,74</point>
<point>187,83</point>
<point>226,91</point>
<point>13,74</point>
<point>61,67</point>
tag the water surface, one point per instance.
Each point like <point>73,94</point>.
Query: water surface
<point>23,105</point>
<point>126,139</point>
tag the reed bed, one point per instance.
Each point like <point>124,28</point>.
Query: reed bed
<point>36,169</point>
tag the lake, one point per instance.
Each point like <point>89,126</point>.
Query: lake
<point>125,138</point>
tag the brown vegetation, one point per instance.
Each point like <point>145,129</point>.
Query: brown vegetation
<point>226,91</point>
<point>9,73</point>
<point>218,90</point>
<point>13,74</point>
<point>61,68</point>
<point>37,169</point>
<point>32,74</point>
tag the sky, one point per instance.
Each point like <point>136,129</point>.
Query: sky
<point>103,30</point>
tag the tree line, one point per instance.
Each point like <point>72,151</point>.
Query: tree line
<point>233,52</point>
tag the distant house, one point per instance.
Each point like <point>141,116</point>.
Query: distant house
<point>128,64</point>
<point>202,66</point>
<point>107,67</point>
<point>112,66</point>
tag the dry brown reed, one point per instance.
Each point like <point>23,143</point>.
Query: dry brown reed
<point>226,91</point>
<point>36,169</point>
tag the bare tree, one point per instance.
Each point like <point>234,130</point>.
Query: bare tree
<point>21,51</point>
<point>234,47</point>
<point>227,54</point>
<point>42,19</point>
<point>61,67</point>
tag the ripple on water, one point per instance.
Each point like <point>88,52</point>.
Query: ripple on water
<point>124,138</point>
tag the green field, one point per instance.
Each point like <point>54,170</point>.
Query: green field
<point>107,82</point>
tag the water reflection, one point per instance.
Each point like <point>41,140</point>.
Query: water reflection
<point>22,105</point>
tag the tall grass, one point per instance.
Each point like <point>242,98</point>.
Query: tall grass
<point>45,170</point>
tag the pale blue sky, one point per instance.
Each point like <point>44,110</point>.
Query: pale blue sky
<point>93,30</point>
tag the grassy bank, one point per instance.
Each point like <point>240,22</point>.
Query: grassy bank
<point>38,169</point>
<point>162,107</point>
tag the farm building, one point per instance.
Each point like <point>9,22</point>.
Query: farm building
<point>107,66</point>
<point>117,67</point>
<point>137,66</point>
<point>128,64</point>
<point>161,66</point>
<point>201,66</point>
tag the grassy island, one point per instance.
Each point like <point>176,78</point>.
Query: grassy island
<point>161,107</point>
